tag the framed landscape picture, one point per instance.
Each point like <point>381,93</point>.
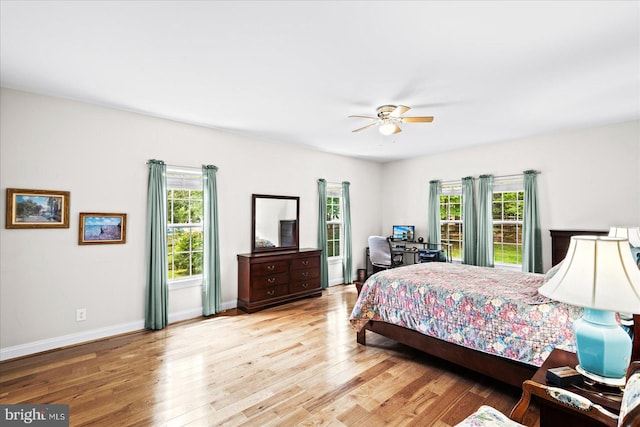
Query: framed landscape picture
<point>102,228</point>
<point>37,208</point>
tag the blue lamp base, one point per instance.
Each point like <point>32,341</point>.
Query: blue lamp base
<point>603,347</point>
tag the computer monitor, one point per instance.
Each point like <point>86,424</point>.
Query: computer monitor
<point>404,232</point>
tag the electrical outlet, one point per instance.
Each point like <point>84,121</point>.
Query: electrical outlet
<point>81,314</point>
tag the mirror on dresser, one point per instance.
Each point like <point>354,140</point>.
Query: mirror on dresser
<point>274,222</point>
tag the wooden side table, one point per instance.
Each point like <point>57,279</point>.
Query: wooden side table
<point>555,414</point>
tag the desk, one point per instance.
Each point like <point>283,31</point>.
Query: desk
<point>425,245</point>
<point>401,247</point>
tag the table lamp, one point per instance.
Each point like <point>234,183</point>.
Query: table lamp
<point>600,275</point>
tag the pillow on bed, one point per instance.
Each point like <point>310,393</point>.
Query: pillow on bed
<point>552,272</point>
<point>264,243</point>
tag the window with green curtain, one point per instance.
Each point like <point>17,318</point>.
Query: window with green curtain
<point>334,220</point>
<point>507,207</point>
<point>184,224</point>
<point>451,218</point>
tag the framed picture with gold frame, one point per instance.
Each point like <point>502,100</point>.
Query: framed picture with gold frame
<point>37,208</point>
<point>102,228</point>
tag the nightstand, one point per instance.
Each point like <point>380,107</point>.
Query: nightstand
<point>554,414</point>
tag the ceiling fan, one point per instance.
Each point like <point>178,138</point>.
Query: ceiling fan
<point>389,117</point>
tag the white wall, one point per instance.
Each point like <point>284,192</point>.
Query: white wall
<point>589,178</point>
<point>100,155</point>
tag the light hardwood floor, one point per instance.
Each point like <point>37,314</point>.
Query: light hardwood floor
<point>296,364</point>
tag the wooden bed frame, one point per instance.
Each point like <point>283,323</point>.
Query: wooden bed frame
<point>505,370</point>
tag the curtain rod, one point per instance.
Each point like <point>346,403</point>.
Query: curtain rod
<point>183,167</point>
<point>457,181</point>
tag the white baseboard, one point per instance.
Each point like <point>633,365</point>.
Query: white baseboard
<point>66,340</point>
<point>95,334</point>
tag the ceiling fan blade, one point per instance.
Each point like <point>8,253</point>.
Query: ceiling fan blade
<point>400,110</point>
<point>427,119</point>
<point>366,117</point>
<point>365,127</point>
<point>397,130</point>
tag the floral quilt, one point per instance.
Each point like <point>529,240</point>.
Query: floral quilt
<point>491,310</point>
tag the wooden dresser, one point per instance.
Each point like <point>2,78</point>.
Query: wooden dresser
<point>270,278</point>
<point>560,240</point>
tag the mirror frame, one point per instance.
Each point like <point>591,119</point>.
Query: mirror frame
<point>296,237</point>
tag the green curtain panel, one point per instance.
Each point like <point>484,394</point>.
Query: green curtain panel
<point>485,221</point>
<point>347,261</point>
<point>469,247</point>
<point>157,294</point>
<point>531,233</point>
<point>433,215</point>
<point>322,232</point>
<point>211,247</point>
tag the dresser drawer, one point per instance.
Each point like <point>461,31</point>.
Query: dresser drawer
<point>303,263</point>
<point>269,280</point>
<point>298,275</point>
<point>266,279</point>
<point>267,293</point>
<point>269,268</point>
<point>305,285</point>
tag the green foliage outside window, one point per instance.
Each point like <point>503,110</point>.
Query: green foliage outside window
<point>507,210</point>
<point>450,207</point>
<point>333,208</point>
<point>451,223</point>
<point>333,240</point>
<point>334,224</point>
<point>184,242</point>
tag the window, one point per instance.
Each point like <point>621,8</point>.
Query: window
<point>334,222</point>
<point>508,209</point>
<point>451,218</point>
<point>184,225</point>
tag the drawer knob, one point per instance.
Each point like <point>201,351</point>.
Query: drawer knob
<point>305,285</point>
<point>271,292</point>
<point>305,262</point>
<point>271,280</point>
<point>271,267</point>
<point>305,274</point>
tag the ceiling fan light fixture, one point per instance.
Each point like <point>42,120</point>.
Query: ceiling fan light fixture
<point>387,128</point>
<point>389,117</point>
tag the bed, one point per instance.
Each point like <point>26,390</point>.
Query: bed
<point>489,320</point>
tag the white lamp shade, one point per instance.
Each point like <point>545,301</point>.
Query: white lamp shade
<point>599,273</point>
<point>632,234</point>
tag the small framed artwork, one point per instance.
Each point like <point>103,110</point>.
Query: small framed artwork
<point>102,228</point>
<point>37,208</point>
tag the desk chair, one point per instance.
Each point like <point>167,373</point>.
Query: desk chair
<point>381,254</point>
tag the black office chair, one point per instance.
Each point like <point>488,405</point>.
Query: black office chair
<point>381,254</point>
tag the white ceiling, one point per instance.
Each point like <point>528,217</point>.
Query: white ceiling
<point>292,71</point>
